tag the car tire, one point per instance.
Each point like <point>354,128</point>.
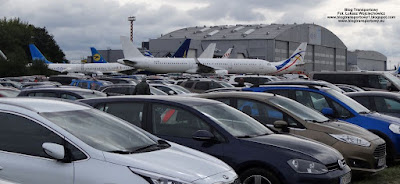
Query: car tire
<point>250,176</point>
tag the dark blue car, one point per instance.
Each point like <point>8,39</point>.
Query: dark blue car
<point>252,150</point>
<point>339,106</point>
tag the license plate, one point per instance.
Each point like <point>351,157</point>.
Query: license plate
<point>381,162</point>
<point>345,179</point>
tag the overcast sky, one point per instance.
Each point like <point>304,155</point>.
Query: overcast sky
<point>78,25</point>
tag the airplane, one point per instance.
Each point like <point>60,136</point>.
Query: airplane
<point>97,58</point>
<point>227,53</point>
<point>180,53</point>
<point>82,68</point>
<point>209,65</point>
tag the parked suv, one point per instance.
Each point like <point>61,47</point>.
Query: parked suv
<point>256,153</point>
<point>367,80</point>
<point>52,141</point>
<point>201,85</point>
<point>363,150</point>
<point>336,105</point>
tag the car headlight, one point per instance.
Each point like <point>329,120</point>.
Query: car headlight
<point>155,178</point>
<point>394,128</point>
<point>305,166</point>
<point>351,139</point>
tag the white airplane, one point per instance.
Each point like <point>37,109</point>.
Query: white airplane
<point>81,68</point>
<point>134,58</point>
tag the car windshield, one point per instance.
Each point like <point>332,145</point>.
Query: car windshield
<point>93,94</point>
<point>299,109</point>
<point>393,79</point>
<point>180,88</point>
<point>233,121</point>
<point>100,130</point>
<point>348,101</point>
<point>9,93</point>
<point>156,91</point>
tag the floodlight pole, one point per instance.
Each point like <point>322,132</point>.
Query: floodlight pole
<point>131,19</point>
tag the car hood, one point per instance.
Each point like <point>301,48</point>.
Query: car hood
<point>340,127</point>
<point>177,161</point>
<point>381,117</point>
<point>324,153</point>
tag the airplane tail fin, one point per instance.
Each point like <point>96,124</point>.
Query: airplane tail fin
<point>97,58</point>
<point>209,52</point>
<point>129,50</point>
<point>227,53</point>
<point>147,53</point>
<point>296,59</point>
<point>37,55</point>
<point>183,49</point>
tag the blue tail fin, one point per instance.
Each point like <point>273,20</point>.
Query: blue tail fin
<point>182,50</point>
<point>37,55</point>
<point>147,53</point>
<point>97,58</point>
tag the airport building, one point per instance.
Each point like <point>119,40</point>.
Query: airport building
<point>367,60</point>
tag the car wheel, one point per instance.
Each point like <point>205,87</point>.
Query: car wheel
<point>258,176</point>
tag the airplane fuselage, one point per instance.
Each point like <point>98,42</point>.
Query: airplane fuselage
<point>89,67</point>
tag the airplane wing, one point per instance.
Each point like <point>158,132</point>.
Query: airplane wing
<point>201,68</point>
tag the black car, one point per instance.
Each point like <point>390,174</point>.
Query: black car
<point>252,150</point>
<point>383,102</point>
<point>61,92</point>
<point>126,89</point>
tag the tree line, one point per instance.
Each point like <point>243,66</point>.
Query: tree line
<point>15,36</point>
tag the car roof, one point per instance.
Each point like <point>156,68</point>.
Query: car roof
<point>59,89</point>
<point>373,93</point>
<point>189,101</point>
<point>238,94</point>
<point>44,104</point>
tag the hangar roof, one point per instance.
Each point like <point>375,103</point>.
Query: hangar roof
<point>238,31</point>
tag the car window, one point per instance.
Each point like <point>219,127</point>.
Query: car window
<point>43,94</point>
<point>392,105</point>
<point>377,81</point>
<point>284,93</point>
<point>319,101</point>
<point>68,96</point>
<point>189,84</point>
<point>21,135</point>
<point>226,101</point>
<point>340,111</point>
<point>83,85</point>
<point>202,85</point>
<point>364,101</point>
<point>128,111</point>
<point>173,121</point>
<point>304,98</point>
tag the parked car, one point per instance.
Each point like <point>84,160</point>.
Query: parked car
<point>336,105</point>
<point>64,142</point>
<point>65,79</point>
<point>59,92</point>
<point>9,92</point>
<point>171,89</point>
<point>251,149</point>
<point>363,150</point>
<point>119,80</point>
<point>349,88</point>
<point>47,83</point>
<point>223,89</point>
<point>11,84</point>
<point>383,102</point>
<point>126,89</point>
<point>306,83</point>
<point>367,80</point>
<point>252,79</point>
<point>201,85</point>
<point>89,84</point>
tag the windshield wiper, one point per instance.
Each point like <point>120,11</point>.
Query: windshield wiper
<point>140,149</point>
<point>121,151</point>
<point>246,136</point>
<point>364,112</point>
<point>313,120</point>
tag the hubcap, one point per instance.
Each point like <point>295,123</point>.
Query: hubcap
<point>256,179</point>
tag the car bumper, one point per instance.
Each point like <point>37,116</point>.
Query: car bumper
<point>332,177</point>
<point>370,159</point>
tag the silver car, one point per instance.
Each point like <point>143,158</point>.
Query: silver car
<point>52,141</point>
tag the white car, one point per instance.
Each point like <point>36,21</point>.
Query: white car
<point>46,141</point>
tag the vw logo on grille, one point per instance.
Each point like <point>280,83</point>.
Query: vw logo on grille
<point>225,177</point>
<point>342,164</point>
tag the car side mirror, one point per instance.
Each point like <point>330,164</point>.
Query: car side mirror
<point>327,111</point>
<point>203,135</point>
<point>55,151</point>
<point>171,92</point>
<point>282,125</point>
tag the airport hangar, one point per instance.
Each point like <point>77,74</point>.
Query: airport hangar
<point>272,42</point>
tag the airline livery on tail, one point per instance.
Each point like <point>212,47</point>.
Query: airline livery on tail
<point>135,59</point>
<point>82,68</point>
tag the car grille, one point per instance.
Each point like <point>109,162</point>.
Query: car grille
<point>380,151</point>
<point>334,166</point>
